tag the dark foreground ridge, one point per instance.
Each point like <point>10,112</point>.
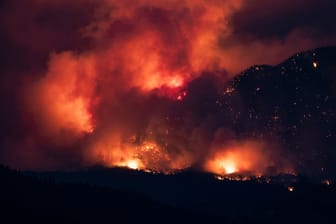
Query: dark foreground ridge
<point>27,199</point>
<point>92,196</point>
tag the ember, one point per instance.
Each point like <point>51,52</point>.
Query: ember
<point>291,188</point>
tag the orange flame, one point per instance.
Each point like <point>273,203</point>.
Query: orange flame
<point>146,156</point>
<point>238,158</point>
<point>133,164</point>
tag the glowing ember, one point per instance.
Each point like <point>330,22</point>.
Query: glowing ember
<point>229,90</point>
<point>291,188</point>
<point>315,64</point>
<point>326,182</point>
<point>181,96</point>
<point>219,178</point>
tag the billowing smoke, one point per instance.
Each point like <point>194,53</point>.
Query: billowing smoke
<point>133,83</point>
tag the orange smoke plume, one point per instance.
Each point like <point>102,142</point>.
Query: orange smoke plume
<point>147,47</point>
<point>141,58</point>
<point>61,100</point>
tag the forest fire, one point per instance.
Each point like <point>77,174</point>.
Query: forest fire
<point>153,87</point>
<point>132,164</point>
<point>214,110</point>
<point>147,156</point>
<point>236,161</point>
<point>238,158</point>
<point>123,99</point>
<point>242,160</point>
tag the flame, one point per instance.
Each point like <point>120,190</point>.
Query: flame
<point>131,164</point>
<point>244,158</point>
<point>175,82</point>
<point>146,156</point>
<point>238,158</point>
<point>228,166</point>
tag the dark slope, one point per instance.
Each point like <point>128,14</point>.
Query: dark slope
<point>292,104</point>
<point>28,199</point>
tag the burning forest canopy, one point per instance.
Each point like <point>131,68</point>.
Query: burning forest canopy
<point>152,85</point>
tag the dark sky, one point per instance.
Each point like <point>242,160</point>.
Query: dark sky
<point>274,20</point>
<point>33,28</point>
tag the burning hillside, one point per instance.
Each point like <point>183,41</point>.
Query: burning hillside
<point>151,86</point>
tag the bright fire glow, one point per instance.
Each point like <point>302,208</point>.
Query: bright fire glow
<point>238,158</point>
<point>175,82</point>
<point>132,164</point>
<point>228,166</point>
<point>146,156</point>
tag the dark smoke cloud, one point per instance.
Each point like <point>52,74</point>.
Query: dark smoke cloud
<point>273,30</point>
<point>269,20</point>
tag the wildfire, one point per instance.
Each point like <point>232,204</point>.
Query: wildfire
<point>236,161</point>
<point>131,50</point>
<point>133,164</point>
<point>238,158</point>
<point>147,156</point>
<point>228,166</point>
<point>175,82</point>
<point>146,52</point>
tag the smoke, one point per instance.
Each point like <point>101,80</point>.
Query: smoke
<point>126,83</point>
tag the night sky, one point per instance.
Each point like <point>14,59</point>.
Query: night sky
<point>235,86</point>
